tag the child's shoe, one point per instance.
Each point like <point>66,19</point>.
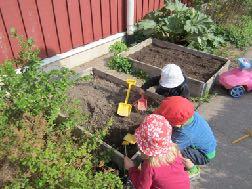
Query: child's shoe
<point>194,172</point>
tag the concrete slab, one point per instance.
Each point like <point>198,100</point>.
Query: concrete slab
<point>232,168</point>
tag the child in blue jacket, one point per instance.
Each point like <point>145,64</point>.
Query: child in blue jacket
<point>190,131</point>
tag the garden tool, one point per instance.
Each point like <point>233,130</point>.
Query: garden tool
<point>124,109</point>
<point>128,139</point>
<point>249,134</point>
<point>142,103</point>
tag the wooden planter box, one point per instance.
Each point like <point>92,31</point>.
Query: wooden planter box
<point>196,87</point>
<point>116,156</point>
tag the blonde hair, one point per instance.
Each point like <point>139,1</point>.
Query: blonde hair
<point>165,159</point>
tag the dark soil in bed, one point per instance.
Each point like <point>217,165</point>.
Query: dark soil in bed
<point>201,68</point>
<point>100,99</point>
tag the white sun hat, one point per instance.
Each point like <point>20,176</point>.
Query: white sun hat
<point>171,76</point>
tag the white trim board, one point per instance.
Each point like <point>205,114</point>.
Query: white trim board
<point>80,55</point>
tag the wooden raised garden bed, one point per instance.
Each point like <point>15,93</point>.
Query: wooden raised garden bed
<point>201,68</point>
<point>100,98</point>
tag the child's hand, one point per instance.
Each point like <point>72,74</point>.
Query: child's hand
<point>128,163</point>
<point>141,92</point>
<point>188,163</point>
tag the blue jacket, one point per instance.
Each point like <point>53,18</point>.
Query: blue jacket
<point>197,134</point>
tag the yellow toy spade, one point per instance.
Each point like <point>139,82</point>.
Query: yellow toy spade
<point>124,109</point>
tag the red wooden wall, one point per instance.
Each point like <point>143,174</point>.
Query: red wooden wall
<point>60,25</point>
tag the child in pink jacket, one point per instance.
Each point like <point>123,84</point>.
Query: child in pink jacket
<point>162,167</point>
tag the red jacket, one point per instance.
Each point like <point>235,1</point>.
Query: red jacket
<point>171,176</point>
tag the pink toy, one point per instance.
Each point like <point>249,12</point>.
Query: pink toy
<point>237,80</point>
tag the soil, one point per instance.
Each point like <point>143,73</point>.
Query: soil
<point>100,99</point>
<point>201,68</point>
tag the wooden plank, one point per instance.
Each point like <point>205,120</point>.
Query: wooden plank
<point>75,22</point>
<point>113,16</point>
<point>161,3</point>
<point>96,15</point>
<point>139,9</point>
<point>5,48</point>
<point>151,5</point>
<point>12,18</point>
<point>145,7</point>
<point>32,24</point>
<point>105,18</point>
<point>86,18</point>
<point>45,9</point>
<point>121,15</point>
<point>156,4</point>
<point>61,16</point>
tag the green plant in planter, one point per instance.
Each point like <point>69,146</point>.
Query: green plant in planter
<point>120,64</point>
<point>118,47</point>
<point>117,62</point>
<point>183,25</point>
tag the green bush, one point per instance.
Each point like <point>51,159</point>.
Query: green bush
<point>120,64</point>
<point>43,152</point>
<point>183,25</point>
<point>238,34</point>
<point>225,12</point>
<point>118,47</point>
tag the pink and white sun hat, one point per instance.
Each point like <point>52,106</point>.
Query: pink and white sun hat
<point>154,135</point>
<point>171,76</point>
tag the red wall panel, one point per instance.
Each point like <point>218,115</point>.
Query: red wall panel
<point>96,15</point>
<point>86,18</point>
<point>5,48</point>
<point>156,4</point>
<point>63,28</point>
<point>75,22</point>
<point>105,18</point>
<point>49,30</point>
<point>121,15</point>
<point>139,9</point>
<point>135,11</point>
<point>12,18</point>
<point>161,3</point>
<point>32,24</point>
<point>145,7</point>
<point>113,16</point>
<point>151,5</point>
<point>60,25</point>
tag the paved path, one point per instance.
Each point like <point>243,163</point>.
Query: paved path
<point>232,168</point>
<point>229,118</point>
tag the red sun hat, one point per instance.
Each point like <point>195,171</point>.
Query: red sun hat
<point>154,135</point>
<point>176,109</point>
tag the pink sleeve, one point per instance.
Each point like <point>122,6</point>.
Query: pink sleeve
<point>141,179</point>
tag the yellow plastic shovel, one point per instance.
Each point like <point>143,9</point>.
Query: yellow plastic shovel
<point>124,109</point>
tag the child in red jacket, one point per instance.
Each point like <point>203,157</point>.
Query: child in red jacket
<point>162,167</point>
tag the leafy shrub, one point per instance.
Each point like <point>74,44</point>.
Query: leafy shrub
<point>225,12</point>
<point>120,64</point>
<point>118,47</point>
<point>183,25</point>
<point>238,34</point>
<point>43,152</point>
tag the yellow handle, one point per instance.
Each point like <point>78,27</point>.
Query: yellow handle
<point>128,93</point>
